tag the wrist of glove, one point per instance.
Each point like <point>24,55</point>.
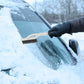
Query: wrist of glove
<point>60,29</point>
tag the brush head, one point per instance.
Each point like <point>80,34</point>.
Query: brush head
<point>27,41</point>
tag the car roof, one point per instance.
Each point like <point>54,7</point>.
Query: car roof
<point>12,4</point>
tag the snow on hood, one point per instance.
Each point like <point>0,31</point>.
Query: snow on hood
<point>8,42</point>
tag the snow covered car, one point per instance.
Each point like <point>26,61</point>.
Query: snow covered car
<point>54,50</point>
<point>51,52</point>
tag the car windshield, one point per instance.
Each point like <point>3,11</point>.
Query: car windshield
<point>28,22</point>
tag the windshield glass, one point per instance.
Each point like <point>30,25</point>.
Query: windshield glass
<point>28,22</point>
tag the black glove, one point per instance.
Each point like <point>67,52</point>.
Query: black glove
<point>60,29</point>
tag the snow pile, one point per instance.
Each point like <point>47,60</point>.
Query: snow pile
<point>26,68</point>
<point>13,4</point>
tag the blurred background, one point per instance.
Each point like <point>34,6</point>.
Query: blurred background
<point>56,11</point>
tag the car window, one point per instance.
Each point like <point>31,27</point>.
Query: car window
<point>27,22</point>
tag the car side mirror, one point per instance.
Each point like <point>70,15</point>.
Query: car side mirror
<point>73,44</point>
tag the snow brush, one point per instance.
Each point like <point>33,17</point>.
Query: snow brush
<point>33,38</point>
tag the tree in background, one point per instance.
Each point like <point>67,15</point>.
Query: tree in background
<point>68,9</point>
<point>60,10</point>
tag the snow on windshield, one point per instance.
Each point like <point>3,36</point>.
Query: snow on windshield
<point>13,4</point>
<point>26,68</point>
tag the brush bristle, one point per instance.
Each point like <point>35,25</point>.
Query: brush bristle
<point>29,41</point>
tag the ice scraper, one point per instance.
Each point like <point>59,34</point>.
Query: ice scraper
<point>33,38</point>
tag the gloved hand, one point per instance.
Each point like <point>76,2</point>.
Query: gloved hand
<point>60,29</point>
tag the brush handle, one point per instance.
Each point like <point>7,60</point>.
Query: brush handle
<point>36,35</point>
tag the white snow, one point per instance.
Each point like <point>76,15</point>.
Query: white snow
<point>27,68</point>
<point>79,38</point>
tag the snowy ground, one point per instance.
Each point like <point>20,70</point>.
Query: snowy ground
<point>26,68</point>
